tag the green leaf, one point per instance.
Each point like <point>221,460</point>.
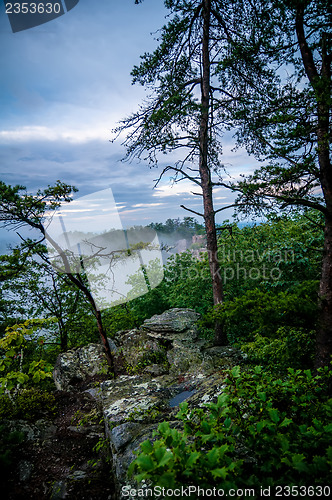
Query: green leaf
<point>164,428</point>
<point>222,473</point>
<point>205,427</point>
<point>145,462</point>
<point>146,446</point>
<point>22,378</point>
<point>329,453</point>
<point>167,480</point>
<point>166,458</point>
<point>213,457</point>
<point>193,457</point>
<point>328,428</point>
<point>274,415</point>
<point>298,463</point>
<point>236,371</point>
<point>260,425</point>
<point>286,422</point>
<point>262,396</point>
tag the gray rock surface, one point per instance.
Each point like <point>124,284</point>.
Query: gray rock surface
<point>171,323</point>
<point>74,366</point>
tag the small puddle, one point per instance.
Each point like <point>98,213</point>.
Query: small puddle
<point>180,397</point>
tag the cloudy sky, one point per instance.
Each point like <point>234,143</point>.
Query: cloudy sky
<point>63,87</point>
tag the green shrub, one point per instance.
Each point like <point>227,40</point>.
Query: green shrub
<point>17,364</point>
<point>292,347</point>
<point>263,431</point>
<point>264,312</point>
<point>28,404</point>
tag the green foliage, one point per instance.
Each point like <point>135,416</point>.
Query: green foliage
<point>148,359</point>
<point>291,347</point>
<point>264,312</point>
<point>16,368</point>
<point>80,418</point>
<point>17,206</point>
<point>186,283</point>
<point>186,228</point>
<point>29,404</point>
<point>262,431</point>
<point>270,273</point>
<point>118,318</point>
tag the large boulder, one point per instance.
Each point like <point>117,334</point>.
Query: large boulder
<point>75,366</point>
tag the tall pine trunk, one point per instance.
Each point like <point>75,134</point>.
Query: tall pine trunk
<point>205,174</point>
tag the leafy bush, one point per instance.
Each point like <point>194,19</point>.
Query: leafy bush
<point>29,404</point>
<point>17,368</point>
<point>263,431</point>
<point>292,347</point>
<point>264,312</point>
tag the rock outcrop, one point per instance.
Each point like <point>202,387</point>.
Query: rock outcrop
<point>76,365</point>
<point>166,363</point>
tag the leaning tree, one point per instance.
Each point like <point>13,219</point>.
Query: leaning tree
<point>19,208</point>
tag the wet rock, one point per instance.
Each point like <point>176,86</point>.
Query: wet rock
<point>122,434</point>
<point>132,398</point>
<point>78,475</point>
<point>167,364</point>
<point>179,398</point>
<point>156,370</point>
<point>41,430</point>
<point>135,407</point>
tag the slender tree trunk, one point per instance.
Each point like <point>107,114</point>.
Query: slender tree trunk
<point>63,335</point>
<point>102,333</point>
<point>205,174</point>
<point>324,331</point>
